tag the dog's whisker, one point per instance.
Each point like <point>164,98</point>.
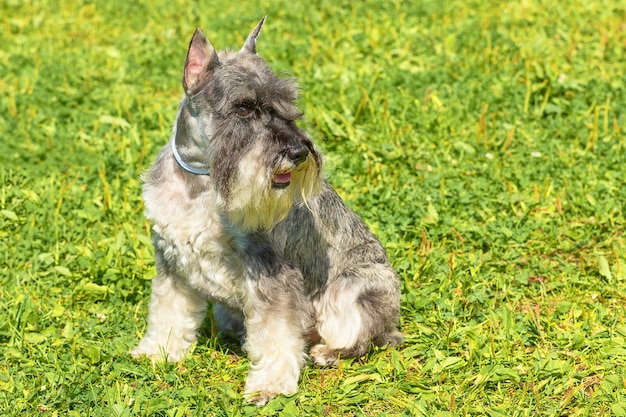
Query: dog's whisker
<point>305,194</point>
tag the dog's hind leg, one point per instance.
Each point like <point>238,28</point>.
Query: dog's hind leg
<point>176,314</point>
<point>358,307</point>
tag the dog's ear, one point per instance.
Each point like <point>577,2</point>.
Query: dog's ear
<point>201,59</point>
<point>250,45</point>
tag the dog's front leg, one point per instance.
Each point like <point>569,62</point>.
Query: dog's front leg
<point>176,314</point>
<point>277,314</point>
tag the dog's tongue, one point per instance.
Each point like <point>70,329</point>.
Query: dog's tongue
<point>283,178</point>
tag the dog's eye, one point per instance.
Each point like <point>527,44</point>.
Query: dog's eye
<point>244,109</point>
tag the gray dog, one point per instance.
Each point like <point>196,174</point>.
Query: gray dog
<point>242,218</point>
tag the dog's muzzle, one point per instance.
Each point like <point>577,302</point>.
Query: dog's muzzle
<point>282,180</point>
<point>297,155</point>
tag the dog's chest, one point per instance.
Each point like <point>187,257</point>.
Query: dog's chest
<point>194,244</point>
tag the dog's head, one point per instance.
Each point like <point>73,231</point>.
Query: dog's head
<point>238,120</point>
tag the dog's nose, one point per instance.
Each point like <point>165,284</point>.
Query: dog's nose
<point>298,154</point>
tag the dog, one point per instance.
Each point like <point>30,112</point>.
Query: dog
<point>244,219</point>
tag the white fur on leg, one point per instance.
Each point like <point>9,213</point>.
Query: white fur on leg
<point>275,348</point>
<point>176,313</point>
<point>339,322</point>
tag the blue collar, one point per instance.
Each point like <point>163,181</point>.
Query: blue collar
<point>184,165</point>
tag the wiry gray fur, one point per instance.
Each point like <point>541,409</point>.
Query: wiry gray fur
<point>285,263</point>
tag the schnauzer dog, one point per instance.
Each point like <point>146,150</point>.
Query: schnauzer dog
<point>243,218</point>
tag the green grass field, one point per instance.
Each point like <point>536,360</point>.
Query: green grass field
<point>483,142</point>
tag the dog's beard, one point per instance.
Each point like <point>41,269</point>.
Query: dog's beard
<point>257,203</point>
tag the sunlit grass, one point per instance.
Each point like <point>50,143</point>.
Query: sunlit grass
<point>483,143</point>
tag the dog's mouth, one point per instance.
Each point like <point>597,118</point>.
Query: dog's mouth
<point>282,180</point>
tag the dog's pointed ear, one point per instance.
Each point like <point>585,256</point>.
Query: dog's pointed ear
<point>200,62</point>
<point>250,45</point>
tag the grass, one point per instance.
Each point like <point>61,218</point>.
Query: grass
<point>483,142</point>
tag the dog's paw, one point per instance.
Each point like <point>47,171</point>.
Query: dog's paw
<point>139,353</point>
<point>156,354</point>
<point>260,399</point>
<point>322,355</point>
<point>261,392</point>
